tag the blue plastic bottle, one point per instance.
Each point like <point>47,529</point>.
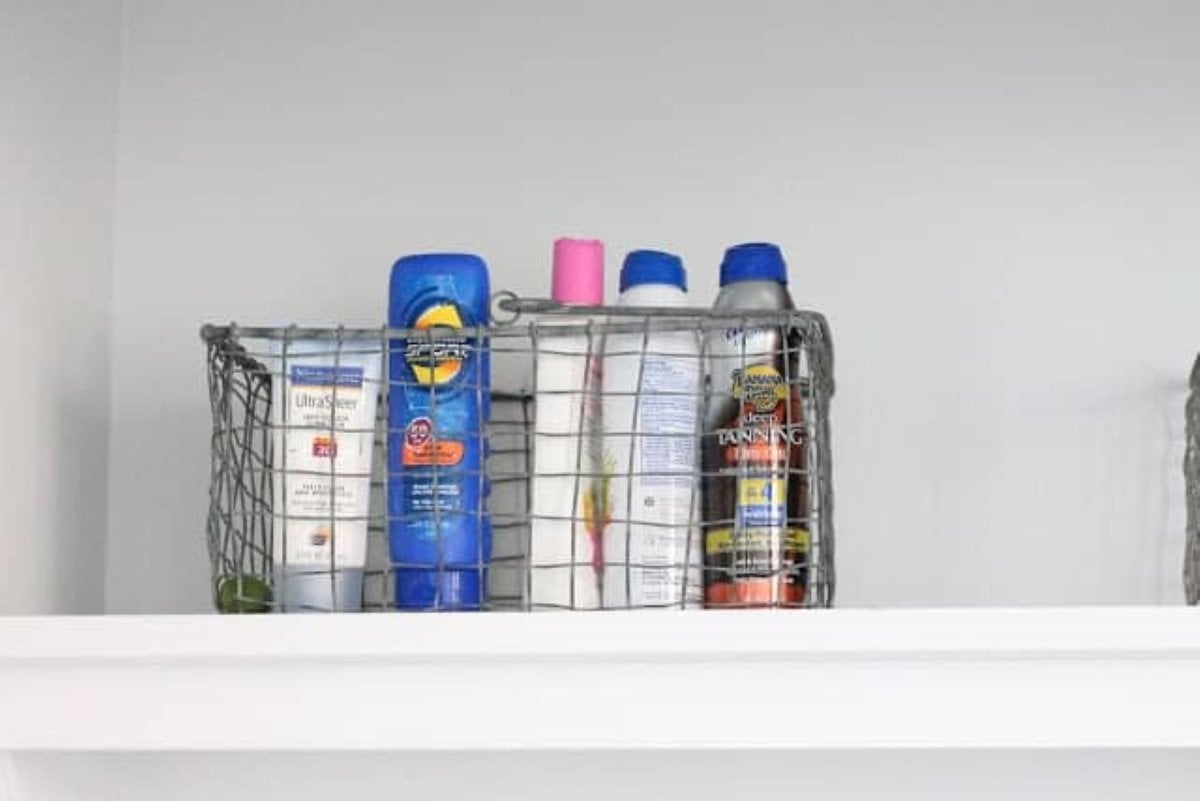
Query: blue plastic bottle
<point>439,402</point>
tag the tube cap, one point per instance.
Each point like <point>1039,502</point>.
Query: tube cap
<point>652,267</point>
<point>753,261</point>
<point>417,588</point>
<point>578,274</point>
<point>312,589</point>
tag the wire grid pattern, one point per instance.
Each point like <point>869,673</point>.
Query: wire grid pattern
<point>1191,470</point>
<point>239,523</point>
<point>550,478</point>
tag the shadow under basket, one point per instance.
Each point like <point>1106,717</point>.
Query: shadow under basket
<point>598,458</point>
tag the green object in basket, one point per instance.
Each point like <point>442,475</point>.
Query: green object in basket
<point>243,595</point>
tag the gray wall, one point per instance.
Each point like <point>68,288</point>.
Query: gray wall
<point>58,118</point>
<point>993,202</point>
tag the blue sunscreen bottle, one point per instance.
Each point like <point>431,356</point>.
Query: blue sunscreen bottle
<point>438,405</point>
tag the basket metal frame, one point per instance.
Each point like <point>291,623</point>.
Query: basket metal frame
<point>1191,473</point>
<point>239,526</point>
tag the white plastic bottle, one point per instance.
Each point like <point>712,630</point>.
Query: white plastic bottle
<point>567,509</point>
<point>653,392</point>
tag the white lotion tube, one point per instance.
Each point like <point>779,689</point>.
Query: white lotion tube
<point>653,391</point>
<point>324,397</point>
<point>568,505</point>
<point>565,546</point>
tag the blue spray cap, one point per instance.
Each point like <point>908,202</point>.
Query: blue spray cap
<point>652,267</point>
<point>753,261</point>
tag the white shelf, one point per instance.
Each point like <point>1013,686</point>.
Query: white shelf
<point>845,679</point>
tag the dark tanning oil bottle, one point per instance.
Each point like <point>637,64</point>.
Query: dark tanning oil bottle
<point>755,487</point>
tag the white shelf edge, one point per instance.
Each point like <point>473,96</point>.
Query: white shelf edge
<point>1103,677</point>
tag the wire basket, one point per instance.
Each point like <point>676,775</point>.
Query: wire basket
<point>1191,472</point>
<point>561,458</point>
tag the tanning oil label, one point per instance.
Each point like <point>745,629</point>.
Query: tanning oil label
<point>761,501</point>
<point>760,387</point>
<point>721,541</point>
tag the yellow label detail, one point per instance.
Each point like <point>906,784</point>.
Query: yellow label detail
<point>723,540</point>
<point>761,386</point>
<point>719,540</point>
<point>438,367</point>
<point>762,491</point>
<point>797,539</point>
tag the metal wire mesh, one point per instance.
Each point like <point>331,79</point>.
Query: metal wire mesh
<point>616,472</point>
<point>1191,470</point>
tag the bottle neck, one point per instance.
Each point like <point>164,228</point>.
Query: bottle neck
<point>653,295</point>
<point>754,295</point>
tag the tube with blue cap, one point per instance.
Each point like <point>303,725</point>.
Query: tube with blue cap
<point>438,406</point>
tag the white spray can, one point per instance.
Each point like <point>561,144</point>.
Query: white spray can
<point>653,393</point>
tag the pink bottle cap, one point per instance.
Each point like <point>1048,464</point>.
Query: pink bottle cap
<point>578,275</point>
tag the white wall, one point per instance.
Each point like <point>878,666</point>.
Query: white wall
<point>993,202</point>
<point>58,116</point>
